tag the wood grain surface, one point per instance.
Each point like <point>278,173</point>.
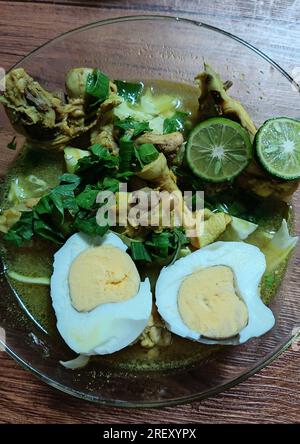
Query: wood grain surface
<point>272,395</point>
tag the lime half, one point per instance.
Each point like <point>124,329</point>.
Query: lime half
<point>278,147</point>
<point>218,149</point>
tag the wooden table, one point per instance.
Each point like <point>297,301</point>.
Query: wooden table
<point>271,396</point>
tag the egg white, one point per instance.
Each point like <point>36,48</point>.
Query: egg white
<point>107,328</point>
<point>248,265</point>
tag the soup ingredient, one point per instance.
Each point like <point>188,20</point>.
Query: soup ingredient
<point>8,218</point>
<point>238,229</point>
<point>71,205</point>
<point>76,363</point>
<point>149,107</point>
<point>214,100</point>
<point>168,144</point>
<point>277,144</point>
<point>214,225</point>
<point>159,174</point>
<point>28,279</point>
<point>220,313</point>
<point>109,326</point>
<point>175,123</point>
<point>278,249</point>
<point>72,156</point>
<point>76,80</point>
<point>247,263</point>
<point>218,150</point>
<point>23,188</point>
<point>155,333</point>
<point>12,145</point>
<point>256,180</point>
<point>49,120</point>
<point>104,135</point>
<point>97,86</point>
<point>130,91</point>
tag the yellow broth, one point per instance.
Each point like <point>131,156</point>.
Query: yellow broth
<point>37,258</point>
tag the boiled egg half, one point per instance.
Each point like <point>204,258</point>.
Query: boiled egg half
<point>100,303</point>
<point>213,294</point>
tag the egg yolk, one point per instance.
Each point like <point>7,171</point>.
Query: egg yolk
<point>100,275</point>
<point>208,303</point>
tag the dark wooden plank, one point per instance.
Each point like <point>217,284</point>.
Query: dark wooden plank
<point>272,29</point>
<point>273,394</point>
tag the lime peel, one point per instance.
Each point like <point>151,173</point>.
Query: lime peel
<point>277,144</point>
<point>218,149</point>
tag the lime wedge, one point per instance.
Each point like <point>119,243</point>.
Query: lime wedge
<point>277,145</point>
<point>218,149</point>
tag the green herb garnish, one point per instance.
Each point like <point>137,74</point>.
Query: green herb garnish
<point>131,127</point>
<point>147,153</point>
<point>163,246</point>
<point>87,198</point>
<point>97,86</point>
<point>12,145</point>
<point>139,252</point>
<point>89,226</point>
<point>175,123</point>
<point>129,91</point>
<point>126,154</point>
<point>22,230</point>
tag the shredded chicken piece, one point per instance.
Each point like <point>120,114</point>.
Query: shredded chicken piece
<point>155,333</point>
<point>214,225</point>
<point>8,218</point>
<point>45,118</point>
<point>168,144</point>
<point>158,173</point>
<point>11,215</point>
<point>28,203</point>
<point>214,100</point>
<point>260,183</point>
<point>105,137</point>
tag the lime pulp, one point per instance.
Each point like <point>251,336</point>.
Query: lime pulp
<point>277,145</point>
<point>218,149</point>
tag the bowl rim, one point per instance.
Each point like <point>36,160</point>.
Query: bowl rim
<point>221,387</point>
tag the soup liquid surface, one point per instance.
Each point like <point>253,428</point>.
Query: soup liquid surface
<point>38,259</point>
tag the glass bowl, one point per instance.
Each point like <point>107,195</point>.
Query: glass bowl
<point>157,47</point>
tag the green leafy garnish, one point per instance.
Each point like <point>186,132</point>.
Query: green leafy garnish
<point>100,163</point>
<point>129,91</point>
<point>21,231</point>
<point>87,198</point>
<point>139,252</point>
<point>109,183</point>
<point>164,246</point>
<point>132,127</point>
<point>126,154</point>
<point>42,229</point>
<point>89,226</point>
<point>147,153</point>
<point>175,123</point>
<point>72,205</point>
<point>12,145</point>
<point>97,86</point>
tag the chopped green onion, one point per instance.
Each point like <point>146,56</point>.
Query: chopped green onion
<point>129,91</point>
<point>175,123</point>
<point>139,252</point>
<point>126,154</point>
<point>28,279</point>
<point>97,86</point>
<point>12,145</point>
<point>147,153</point>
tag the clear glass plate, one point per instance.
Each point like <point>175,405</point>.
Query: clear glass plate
<point>156,47</point>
